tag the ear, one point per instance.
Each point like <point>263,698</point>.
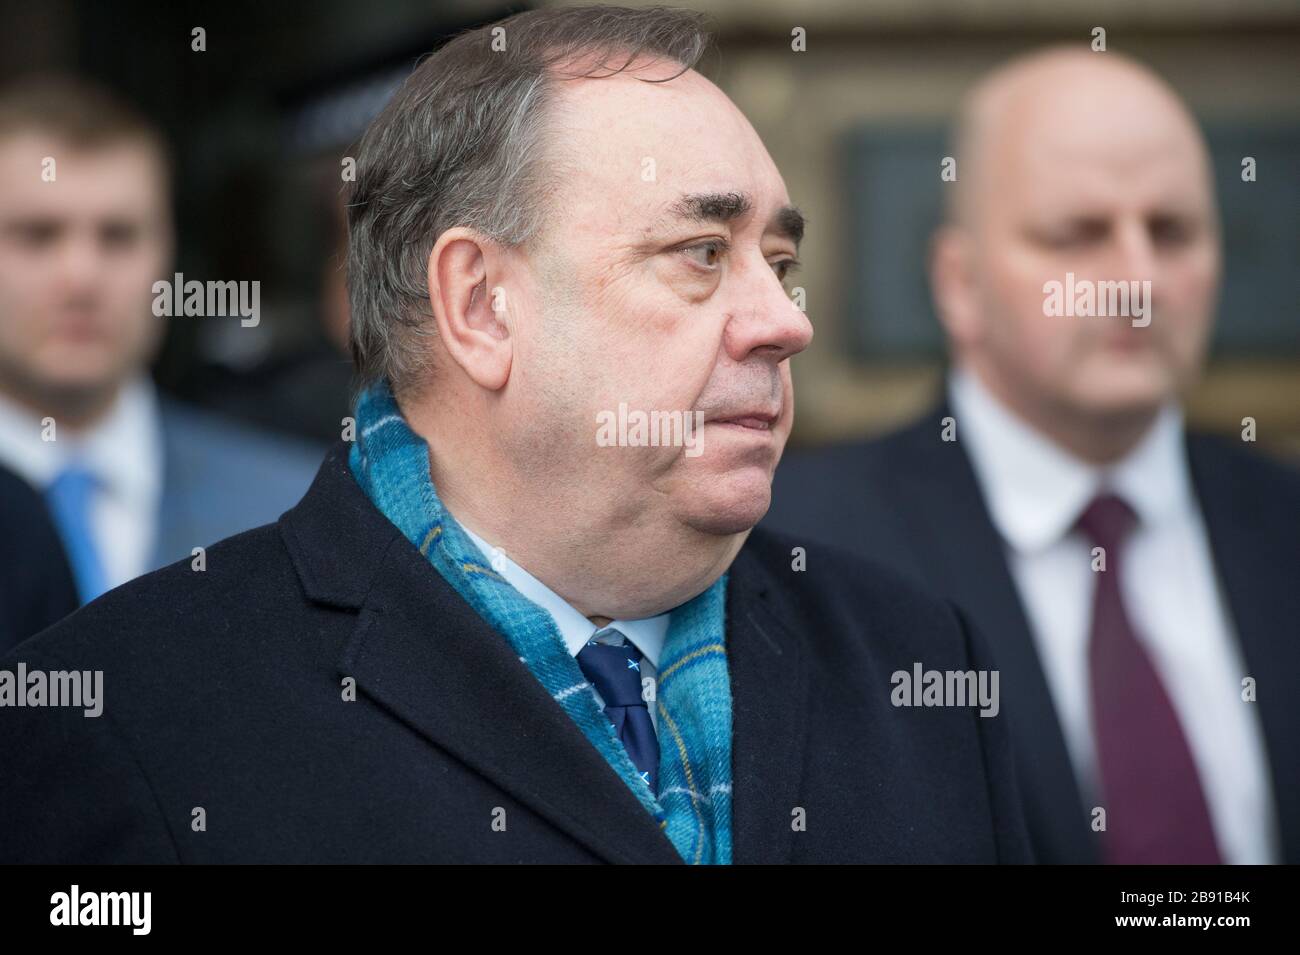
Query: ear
<point>953,285</point>
<point>468,305</point>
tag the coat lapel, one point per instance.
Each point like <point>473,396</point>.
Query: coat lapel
<point>422,653</point>
<point>963,556</point>
<point>769,704</point>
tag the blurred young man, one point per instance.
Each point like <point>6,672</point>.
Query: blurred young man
<point>508,624</point>
<point>133,481</point>
<point>1137,583</point>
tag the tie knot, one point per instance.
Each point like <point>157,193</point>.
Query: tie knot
<point>615,672</point>
<point>1107,520</point>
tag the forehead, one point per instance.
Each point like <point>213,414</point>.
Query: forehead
<point>1107,146</point>
<point>635,147</point>
<point>123,178</point>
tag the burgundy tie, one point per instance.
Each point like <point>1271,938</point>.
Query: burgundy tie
<point>1155,809</point>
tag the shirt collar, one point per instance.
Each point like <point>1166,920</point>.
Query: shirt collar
<point>21,447</point>
<point>123,449</point>
<point>647,633</point>
<point>1154,477</point>
<point>1036,490</point>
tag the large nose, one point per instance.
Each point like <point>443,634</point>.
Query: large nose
<point>1135,255</point>
<point>763,320</point>
<point>81,261</point>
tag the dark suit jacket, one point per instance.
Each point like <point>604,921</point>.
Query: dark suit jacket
<point>36,586</point>
<point>913,501</point>
<point>223,692</point>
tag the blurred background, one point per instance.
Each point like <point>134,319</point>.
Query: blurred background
<point>260,121</point>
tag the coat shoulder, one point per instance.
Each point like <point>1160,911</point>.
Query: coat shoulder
<point>1245,470</point>
<point>248,577</point>
<point>228,450</point>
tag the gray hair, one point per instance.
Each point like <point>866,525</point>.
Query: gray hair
<point>463,143</point>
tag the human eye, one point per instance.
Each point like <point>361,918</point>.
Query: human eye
<point>706,255</point>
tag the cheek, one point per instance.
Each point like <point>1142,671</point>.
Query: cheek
<point>787,399</point>
<point>1018,325</point>
<point>623,329</point>
<point>127,287</point>
<point>137,280</point>
<point>1184,307</point>
<point>1048,346</point>
<point>666,357</point>
<point>26,304</point>
<point>1013,279</point>
<point>23,291</point>
<point>1042,343</point>
<point>647,344</point>
<point>131,316</point>
<point>1191,290</point>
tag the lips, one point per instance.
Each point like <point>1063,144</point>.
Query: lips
<point>79,330</point>
<point>755,420</point>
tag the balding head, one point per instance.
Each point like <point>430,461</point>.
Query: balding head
<point>1061,98</point>
<point>1070,161</point>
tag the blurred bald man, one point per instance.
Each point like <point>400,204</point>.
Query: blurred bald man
<point>1135,581</point>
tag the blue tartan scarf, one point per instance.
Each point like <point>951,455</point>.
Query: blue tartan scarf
<point>693,805</point>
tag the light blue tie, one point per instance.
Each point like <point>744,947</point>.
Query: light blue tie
<point>70,497</point>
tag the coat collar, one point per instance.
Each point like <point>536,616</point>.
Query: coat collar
<point>768,666</point>
<point>421,652</point>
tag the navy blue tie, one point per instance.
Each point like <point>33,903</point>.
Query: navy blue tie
<point>615,672</point>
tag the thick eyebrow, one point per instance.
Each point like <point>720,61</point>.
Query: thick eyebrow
<point>725,207</point>
<point>713,206</point>
<point>789,222</point>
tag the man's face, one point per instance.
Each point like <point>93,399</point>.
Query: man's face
<point>659,285</point>
<point>1109,182</point>
<point>78,257</point>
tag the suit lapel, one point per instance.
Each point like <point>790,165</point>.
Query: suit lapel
<point>423,654</point>
<point>769,705</point>
<point>1258,565</point>
<point>963,555</point>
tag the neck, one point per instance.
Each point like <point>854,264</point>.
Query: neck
<point>605,563</point>
<point>76,410</point>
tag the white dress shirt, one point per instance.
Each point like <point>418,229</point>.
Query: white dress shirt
<point>1035,491</point>
<point>123,449</point>
<point>646,634</point>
